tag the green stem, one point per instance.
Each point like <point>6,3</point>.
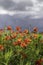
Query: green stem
<point>21,61</point>
<point>6,64</point>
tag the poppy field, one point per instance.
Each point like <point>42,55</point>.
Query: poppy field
<point>19,47</point>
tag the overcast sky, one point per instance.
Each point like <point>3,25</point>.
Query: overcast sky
<point>33,8</point>
<point>21,13</point>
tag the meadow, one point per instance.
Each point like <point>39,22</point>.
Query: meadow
<point>19,47</point>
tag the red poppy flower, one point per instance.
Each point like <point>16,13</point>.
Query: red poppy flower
<point>21,34</point>
<point>7,38</point>
<point>35,36</point>
<point>17,32</point>
<point>26,31</point>
<point>9,28</point>
<point>18,28</point>
<point>19,40</point>
<point>23,44</point>
<point>35,29</point>
<point>1,47</point>
<point>38,62</point>
<point>13,35</point>
<point>27,40</point>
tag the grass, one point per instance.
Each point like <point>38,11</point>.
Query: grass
<point>21,47</point>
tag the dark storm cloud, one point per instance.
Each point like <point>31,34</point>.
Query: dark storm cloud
<point>40,0</point>
<point>21,6</point>
<point>12,5</point>
<point>6,4</point>
<point>31,7</point>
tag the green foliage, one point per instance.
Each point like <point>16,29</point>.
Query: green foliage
<point>16,55</point>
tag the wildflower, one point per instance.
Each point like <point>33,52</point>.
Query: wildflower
<point>21,34</point>
<point>1,47</point>
<point>35,29</point>
<point>15,43</point>
<point>27,40</point>
<point>38,62</point>
<point>13,35</point>
<point>9,28</point>
<point>26,31</point>
<point>19,40</point>
<point>18,28</point>
<point>23,45</point>
<point>7,38</point>
<point>35,36</point>
<point>17,32</point>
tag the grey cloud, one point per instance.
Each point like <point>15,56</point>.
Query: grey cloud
<point>10,5</point>
<point>6,4</point>
<point>40,0</point>
<point>21,6</point>
<point>34,7</point>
